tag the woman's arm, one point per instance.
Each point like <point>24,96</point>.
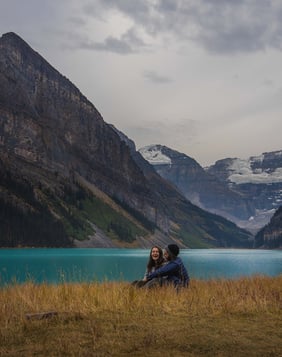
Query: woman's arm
<point>146,275</point>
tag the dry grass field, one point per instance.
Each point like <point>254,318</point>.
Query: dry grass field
<point>239,317</point>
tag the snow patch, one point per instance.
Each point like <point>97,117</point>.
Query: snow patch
<point>154,156</point>
<point>241,172</point>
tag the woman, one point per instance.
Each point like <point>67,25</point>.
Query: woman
<point>156,260</point>
<point>172,273</point>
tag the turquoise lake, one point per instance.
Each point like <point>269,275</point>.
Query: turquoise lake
<point>91,264</point>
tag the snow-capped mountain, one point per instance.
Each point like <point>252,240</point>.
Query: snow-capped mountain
<point>245,191</point>
<point>259,178</point>
<point>263,169</point>
<point>154,155</point>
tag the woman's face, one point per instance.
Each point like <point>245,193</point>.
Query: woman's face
<point>155,254</point>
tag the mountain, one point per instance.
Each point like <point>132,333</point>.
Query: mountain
<point>200,187</point>
<point>67,178</point>
<point>245,191</point>
<point>258,178</point>
<point>270,236</point>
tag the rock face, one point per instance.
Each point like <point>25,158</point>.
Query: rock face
<point>64,171</point>
<point>199,186</point>
<point>271,235</point>
<point>259,179</point>
<point>247,192</point>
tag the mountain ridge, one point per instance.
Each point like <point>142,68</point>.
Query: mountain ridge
<point>57,153</point>
<point>270,236</point>
<point>196,183</point>
<point>248,192</point>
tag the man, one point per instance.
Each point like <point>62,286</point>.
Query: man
<point>174,272</point>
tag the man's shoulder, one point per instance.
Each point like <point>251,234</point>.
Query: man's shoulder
<point>178,260</point>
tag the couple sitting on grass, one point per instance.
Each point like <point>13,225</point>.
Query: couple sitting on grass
<point>164,268</point>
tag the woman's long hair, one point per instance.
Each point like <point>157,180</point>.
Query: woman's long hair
<point>152,263</point>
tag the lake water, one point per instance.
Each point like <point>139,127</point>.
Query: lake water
<point>80,265</point>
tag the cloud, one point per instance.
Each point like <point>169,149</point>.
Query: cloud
<point>138,10</point>
<point>268,82</point>
<point>111,44</point>
<point>218,26</point>
<point>156,78</point>
<point>76,21</point>
<point>127,43</point>
<point>243,26</point>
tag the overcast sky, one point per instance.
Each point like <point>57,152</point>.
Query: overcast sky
<point>203,77</point>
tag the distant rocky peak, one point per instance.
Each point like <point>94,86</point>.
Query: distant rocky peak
<point>160,155</point>
<point>263,169</point>
<point>154,155</point>
<point>269,161</point>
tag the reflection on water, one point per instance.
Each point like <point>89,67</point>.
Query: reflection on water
<point>65,265</point>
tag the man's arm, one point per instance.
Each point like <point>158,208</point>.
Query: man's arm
<point>164,270</point>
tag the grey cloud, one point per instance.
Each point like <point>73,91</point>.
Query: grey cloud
<point>221,26</point>
<point>112,44</point>
<point>137,9</point>
<point>133,39</point>
<point>156,78</point>
<point>77,21</point>
<point>229,26</point>
<point>233,39</point>
<point>128,43</point>
<point>268,82</point>
<point>169,6</point>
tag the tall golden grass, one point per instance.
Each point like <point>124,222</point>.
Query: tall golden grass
<point>239,317</point>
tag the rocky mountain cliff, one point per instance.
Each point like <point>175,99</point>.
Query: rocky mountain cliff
<point>245,191</point>
<point>67,178</point>
<point>270,236</point>
<point>259,179</point>
<point>203,189</point>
